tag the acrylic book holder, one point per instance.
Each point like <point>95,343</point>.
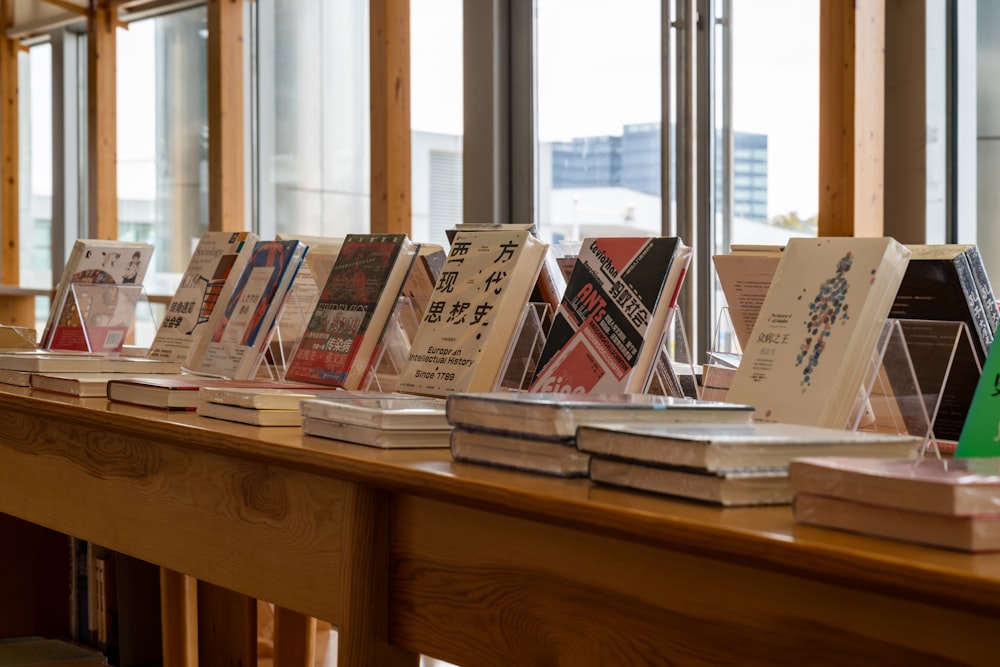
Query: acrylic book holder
<point>518,368</point>
<point>673,373</point>
<point>108,313</point>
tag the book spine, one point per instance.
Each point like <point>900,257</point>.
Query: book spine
<point>983,334</point>
<point>985,290</point>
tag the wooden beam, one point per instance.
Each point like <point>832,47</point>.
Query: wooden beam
<point>225,115</point>
<point>102,152</point>
<point>852,117</point>
<point>390,116</point>
<point>9,208</point>
<point>68,6</point>
<point>179,618</point>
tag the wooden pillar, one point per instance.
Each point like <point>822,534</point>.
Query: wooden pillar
<point>226,171</point>
<point>179,618</point>
<point>227,628</point>
<point>390,116</point>
<point>851,117</point>
<point>102,154</point>
<point>10,269</point>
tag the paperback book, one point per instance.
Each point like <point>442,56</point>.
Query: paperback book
<point>250,416</point>
<point>756,486</point>
<point>396,438</point>
<point>345,333</point>
<point>973,533</point>
<point>607,331</point>
<point>464,340</point>
<point>730,447</point>
<point>84,385</point>
<point>178,393</point>
<point>939,287</point>
<point>379,410</point>
<point>961,487</point>
<point>240,335</point>
<point>107,313</point>
<point>745,274</point>
<point>548,415</point>
<point>557,457</point>
<point>67,361</point>
<point>264,395</point>
<point>813,342</point>
<point>208,280</point>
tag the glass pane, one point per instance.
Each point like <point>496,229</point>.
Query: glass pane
<point>436,113</point>
<point>162,139</point>
<point>35,147</point>
<point>312,117</point>
<point>775,120</point>
<point>599,117</point>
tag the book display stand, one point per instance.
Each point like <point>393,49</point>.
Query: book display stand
<point>523,355</point>
<point>721,360</point>
<point>673,373</point>
<point>289,326</point>
<point>896,397</point>
<point>107,314</point>
<point>394,348</point>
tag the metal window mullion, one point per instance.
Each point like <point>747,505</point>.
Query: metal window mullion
<point>66,112</point>
<point>705,209</point>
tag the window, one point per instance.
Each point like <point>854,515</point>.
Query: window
<point>311,117</point>
<point>35,164</point>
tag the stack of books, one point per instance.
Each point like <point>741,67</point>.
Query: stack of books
<point>267,404</point>
<point>537,432</point>
<point>724,464</point>
<point>951,503</point>
<point>17,367</point>
<point>384,420</point>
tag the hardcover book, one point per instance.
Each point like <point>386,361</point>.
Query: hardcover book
<point>239,337</point>
<point>938,486</point>
<point>606,334</point>
<point>726,447</point>
<point>516,452</point>
<point>974,533</point>
<point>208,280</point>
<point>345,333</point>
<point>465,337</point>
<point>107,315</point>
<point>84,385</point>
<point>818,328</point>
<point>757,486</point>
<point>559,415</point>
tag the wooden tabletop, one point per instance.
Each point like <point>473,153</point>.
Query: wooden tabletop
<point>766,539</point>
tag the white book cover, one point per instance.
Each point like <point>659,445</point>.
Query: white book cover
<point>819,324</point>
<point>208,280</point>
<point>462,342</point>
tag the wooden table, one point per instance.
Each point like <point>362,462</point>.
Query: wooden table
<point>408,553</point>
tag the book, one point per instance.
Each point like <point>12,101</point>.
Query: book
<point>465,337</point>
<point>236,345</point>
<point>723,447</point>
<point>15,378</point>
<point>107,315</point>
<point>84,385</point>
<point>182,393</point>
<point>973,533</point>
<point>396,438</point>
<point>938,486</point>
<point>67,361</point>
<point>344,334</point>
<point>547,415</point>
<point>278,396</point>
<point>208,280</point>
<point>756,486</point>
<point>557,457</point>
<point>980,434</point>
<point>939,286</point>
<point>606,333</point>
<point>820,322</point>
<point>745,275</point>
<point>379,410</point>
<point>250,416</point>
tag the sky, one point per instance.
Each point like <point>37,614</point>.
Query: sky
<point>599,69</point>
